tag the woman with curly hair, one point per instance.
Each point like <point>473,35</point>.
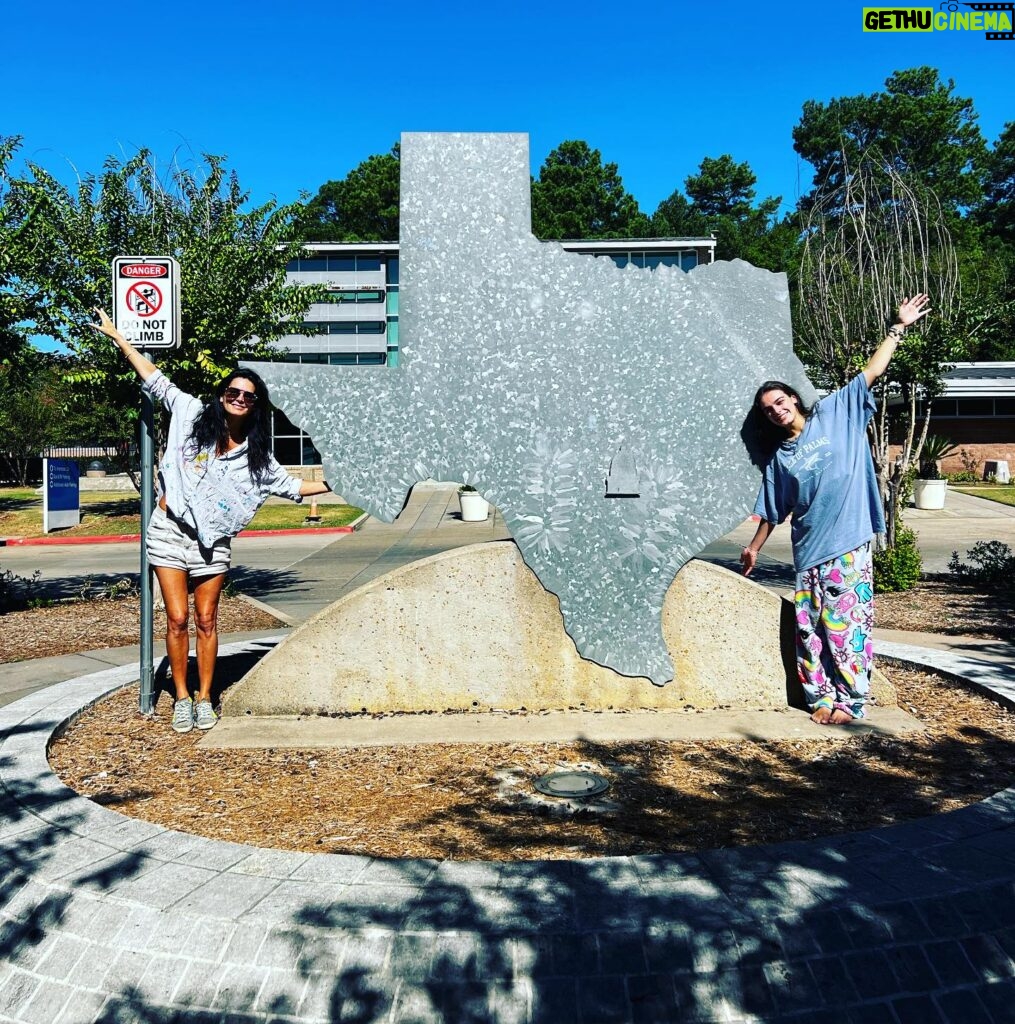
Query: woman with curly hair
<point>216,472</point>
<point>820,470</point>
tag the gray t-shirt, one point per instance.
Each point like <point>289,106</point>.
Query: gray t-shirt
<point>215,494</point>
<point>825,478</point>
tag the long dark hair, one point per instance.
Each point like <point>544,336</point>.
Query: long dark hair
<point>211,430</point>
<point>769,435</point>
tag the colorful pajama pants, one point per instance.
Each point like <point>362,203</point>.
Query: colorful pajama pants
<point>834,631</point>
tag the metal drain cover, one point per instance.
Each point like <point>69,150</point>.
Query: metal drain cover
<point>572,784</point>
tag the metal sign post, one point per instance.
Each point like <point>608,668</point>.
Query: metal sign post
<point>146,305</point>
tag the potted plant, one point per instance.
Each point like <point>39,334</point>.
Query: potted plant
<point>929,487</point>
<point>475,508</point>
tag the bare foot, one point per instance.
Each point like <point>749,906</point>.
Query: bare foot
<point>831,716</point>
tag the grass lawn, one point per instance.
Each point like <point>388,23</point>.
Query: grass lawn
<point>1004,493</point>
<point>105,513</point>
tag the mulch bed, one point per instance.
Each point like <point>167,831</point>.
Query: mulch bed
<point>107,622</point>
<point>476,802</point>
<point>938,605</point>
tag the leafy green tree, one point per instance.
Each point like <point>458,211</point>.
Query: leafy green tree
<point>31,410</point>
<point>917,125</point>
<point>722,203</point>
<point>676,217</point>
<point>235,297</point>
<point>578,196</point>
<point>997,211</point>
<point>362,207</point>
<point>18,298</point>
<point>722,188</point>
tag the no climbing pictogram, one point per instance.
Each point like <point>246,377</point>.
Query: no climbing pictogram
<point>144,298</point>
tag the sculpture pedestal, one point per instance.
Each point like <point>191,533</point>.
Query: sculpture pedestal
<point>473,630</point>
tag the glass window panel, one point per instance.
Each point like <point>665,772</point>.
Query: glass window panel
<point>392,306</point>
<point>368,263</point>
<point>638,259</point>
<point>342,358</point>
<point>1004,406</point>
<point>341,262</point>
<point>281,424</point>
<point>313,263</point>
<point>976,406</point>
<point>371,327</point>
<point>372,358</point>
<point>311,456</point>
<point>393,331</point>
<point>688,260</point>
<point>621,259</point>
<point>941,407</point>
<point>288,450</point>
<point>652,260</point>
<point>292,266</point>
<point>393,270</point>
<point>670,260</point>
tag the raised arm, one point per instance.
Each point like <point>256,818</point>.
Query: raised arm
<point>144,366</point>
<point>909,312</point>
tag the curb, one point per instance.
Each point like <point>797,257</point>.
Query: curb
<point>133,538</point>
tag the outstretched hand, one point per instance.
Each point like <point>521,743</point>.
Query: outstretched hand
<point>912,309</point>
<point>105,325</point>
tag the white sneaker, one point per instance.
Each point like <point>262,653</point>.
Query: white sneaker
<point>183,715</point>
<point>204,714</point>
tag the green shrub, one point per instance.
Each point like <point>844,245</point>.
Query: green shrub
<point>899,567</point>
<point>991,564</point>
<point>18,591</point>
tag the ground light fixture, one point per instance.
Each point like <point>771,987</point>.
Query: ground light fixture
<point>570,784</point>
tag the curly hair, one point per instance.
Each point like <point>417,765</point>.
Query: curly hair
<point>211,430</point>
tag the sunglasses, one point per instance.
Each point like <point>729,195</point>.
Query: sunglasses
<point>238,395</point>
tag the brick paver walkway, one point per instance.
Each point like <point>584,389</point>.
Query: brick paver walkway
<point>105,918</point>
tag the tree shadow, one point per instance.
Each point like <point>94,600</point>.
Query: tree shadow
<point>910,922</point>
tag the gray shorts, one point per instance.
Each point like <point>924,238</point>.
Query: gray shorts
<point>173,544</point>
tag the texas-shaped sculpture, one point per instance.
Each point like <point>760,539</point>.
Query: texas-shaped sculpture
<point>600,408</point>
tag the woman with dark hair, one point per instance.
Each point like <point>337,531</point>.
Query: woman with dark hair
<point>820,469</point>
<point>216,472</point>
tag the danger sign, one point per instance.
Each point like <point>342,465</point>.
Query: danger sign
<point>146,299</point>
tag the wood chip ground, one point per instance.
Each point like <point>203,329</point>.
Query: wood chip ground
<point>477,802</point>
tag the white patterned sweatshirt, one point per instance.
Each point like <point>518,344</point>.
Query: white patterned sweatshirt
<point>215,494</point>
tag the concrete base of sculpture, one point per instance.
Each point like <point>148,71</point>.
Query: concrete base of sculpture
<point>473,630</point>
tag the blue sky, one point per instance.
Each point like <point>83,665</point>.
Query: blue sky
<point>296,97</point>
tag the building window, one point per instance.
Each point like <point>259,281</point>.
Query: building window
<point>367,296</point>
<point>291,446</point>
<point>336,358</point>
<point>315,327</point>
<point>981,408</point>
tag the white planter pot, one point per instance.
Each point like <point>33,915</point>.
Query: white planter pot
<point>475,508</point>
<point>929,494</point>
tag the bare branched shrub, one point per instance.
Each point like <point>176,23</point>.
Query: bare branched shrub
<point>870,242</point>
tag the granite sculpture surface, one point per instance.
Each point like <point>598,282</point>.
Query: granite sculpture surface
<point>600,408</point>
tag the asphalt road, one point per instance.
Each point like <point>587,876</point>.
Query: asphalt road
<point>299,575</point>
